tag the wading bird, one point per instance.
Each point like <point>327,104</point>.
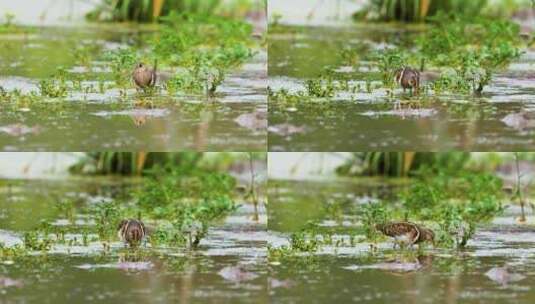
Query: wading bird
<point>144,77</point>
<point>406,233</point>
<point>132,232</point>
<point>408,78</point>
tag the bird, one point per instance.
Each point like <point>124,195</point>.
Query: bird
<point>408,78</point>
<point>131,232</point>
<point>144,77</point>
<point>426,235</point>
<point>406,233</point>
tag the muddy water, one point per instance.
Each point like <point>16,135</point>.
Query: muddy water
<point>499,120</point>
<point>93,119</point>
<point>228,267</point>
<point>346,273</point>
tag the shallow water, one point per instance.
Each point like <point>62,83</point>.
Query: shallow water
<point>93,119</point>
<point>228,267</point>
<point>500,120</point>
<point>347,273</point>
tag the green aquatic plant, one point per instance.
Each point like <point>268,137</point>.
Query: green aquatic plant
<point>473,49</point>
<point>190,222</point>
<point>193,220</point>
<point>52,89</point>
<point>389,61</point>
<point>33,241</point>
<point>189,197</point>
<point>166,187</point>
<point>458,223</point>
<point>122,62</point>
<point>458,203</point>
<point>321,88</point>
<point>372,215</point>
<point>55,86</point>
<point>304,241</point>
<point>107,216</point>
<point>225,45</point>
<point>167,234</point>
<point>287,97</point>
<point>11,252</point>
<point>66,208</point>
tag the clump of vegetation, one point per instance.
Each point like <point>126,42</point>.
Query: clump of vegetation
<point>107,216</point>
<point>189,198</point>
<point>55,86</point>
<point>206,47</point>
<point>458,203</point>
<point>303,241</point>
<point>474,48</point>
<point>122,62</point>
<point>372,215</point>
<point>34,241</point>
<point>390,61</point>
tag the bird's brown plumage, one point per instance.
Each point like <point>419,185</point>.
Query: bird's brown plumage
<point>131,231</point>
<point>414,233</point>
<point>144,77</point>
<point>408,78</point>
<point>426,235</point>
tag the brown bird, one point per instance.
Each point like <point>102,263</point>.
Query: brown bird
<point>406,233</point>
<point>426,235</point>
<point>132,232</point>
<point>408,78</point>
<point>144,77</point>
